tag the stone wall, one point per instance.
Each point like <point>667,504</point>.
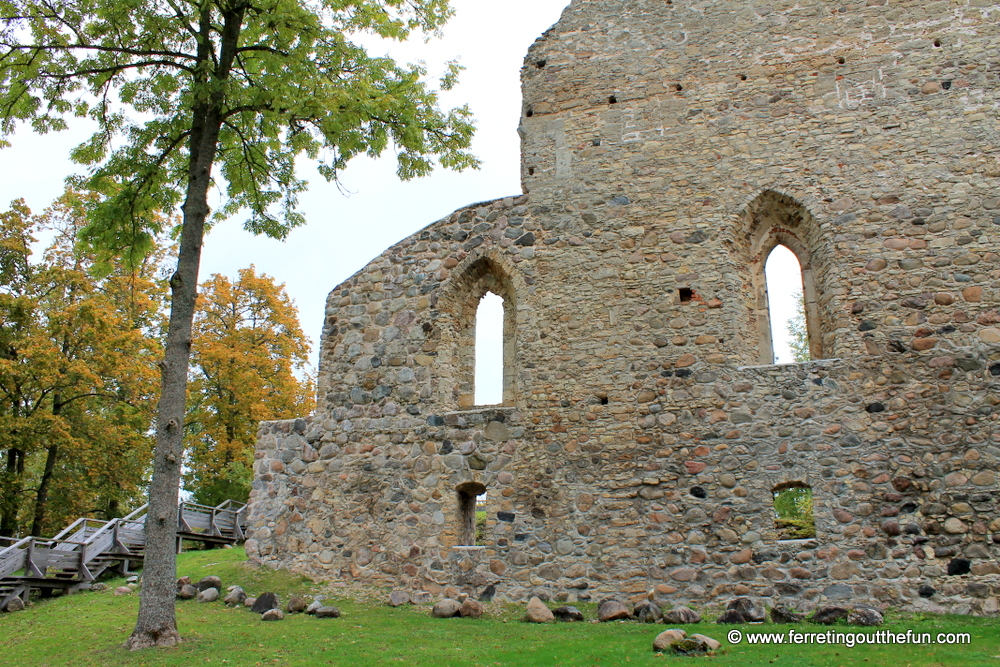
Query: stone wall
<point>667,148</point>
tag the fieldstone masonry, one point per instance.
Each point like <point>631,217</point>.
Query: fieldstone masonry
<point>667,148</point>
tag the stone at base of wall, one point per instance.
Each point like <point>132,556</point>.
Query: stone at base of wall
<point>967,595</point>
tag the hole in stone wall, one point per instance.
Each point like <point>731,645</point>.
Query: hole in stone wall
<point>678,87</point>
<point>786,307</point>
<point>743,77</point>
<point>685,294</point>
<point>530,112</point>
<point>937,43</point>
<point>489,350</point>
<point>540,64</point>
<point>596,142</point>
<point>946,85</point>
<point>698,492</point>
<point>612,100</point>
<point>841,60</point>
<point>468,510</point>
<point>531,171</point>
<point>793,511</point>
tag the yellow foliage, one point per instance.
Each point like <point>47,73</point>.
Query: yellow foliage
<point>249,364</point>
<point>78,377</point>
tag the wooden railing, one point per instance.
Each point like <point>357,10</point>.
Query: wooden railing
<point>221,521</point>
<point>88,547</point>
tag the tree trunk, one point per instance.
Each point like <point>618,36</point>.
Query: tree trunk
<point>51,454</point>
<point>42,497</point>
<point>157,623</point>
<point>11,490</point>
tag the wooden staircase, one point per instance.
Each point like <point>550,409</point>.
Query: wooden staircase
<point>87,548</point>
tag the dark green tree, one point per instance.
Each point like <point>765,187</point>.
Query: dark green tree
<point>189,92</point>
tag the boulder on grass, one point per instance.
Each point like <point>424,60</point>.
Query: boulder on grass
<point>183,581</point>
<point>690,647</point>
<point>731,617</point>
<point>537,612</point>
<point>446,608</point>
<point>471,609</point>
<point>208,595</point>
<point>235,597</point>
<point>296,604</point>
<point>186,592</point>
<point>647,612</point>
<point>250,602</point>
<point>612,610</point>
<point>681,616</point>
<point>272,615</point>
<point>314,605</point>
<point>829,615</point>
<point>668,637</point>
<point>265,602</point>
<point>752,611</point>
<point>15,604</point>
<point>210,581</point>
<point>712,644</point>
<point>328,611</point>
<point>568,614</point>
<point>865,616</point>
<point>398,598</point>
<point>123,590</point>
<point>782,614</point>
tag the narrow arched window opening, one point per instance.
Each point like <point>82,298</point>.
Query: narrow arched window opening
<point>779,230</point>
<point>489,374</point>
<point>786,307</point>
<point>471,496</point>
<point>484,335</point>
<point>793,511</point>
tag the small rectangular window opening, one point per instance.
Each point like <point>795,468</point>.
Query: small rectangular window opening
<point>793,510</point>
<point>686,294</point>
<point>471,514</point>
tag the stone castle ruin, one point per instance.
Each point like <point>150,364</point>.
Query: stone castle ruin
<point>667,148</point>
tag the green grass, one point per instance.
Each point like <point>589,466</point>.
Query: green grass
<point>89,628</point>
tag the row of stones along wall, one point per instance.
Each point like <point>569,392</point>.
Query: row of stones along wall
<point>667,147</point>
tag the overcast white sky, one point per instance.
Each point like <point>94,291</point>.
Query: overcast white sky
<point>344,232</point>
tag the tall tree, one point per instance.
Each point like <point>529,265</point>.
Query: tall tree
<point>245,85</point>
<point>798,333</point>
<point>77,375</point>
<point>16,307</point>
<point>249,364</point>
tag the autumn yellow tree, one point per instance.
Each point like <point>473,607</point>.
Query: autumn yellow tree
<point>249,364</point>
<point>78,376</point>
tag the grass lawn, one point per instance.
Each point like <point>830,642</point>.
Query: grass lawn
<point>89,628</point>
